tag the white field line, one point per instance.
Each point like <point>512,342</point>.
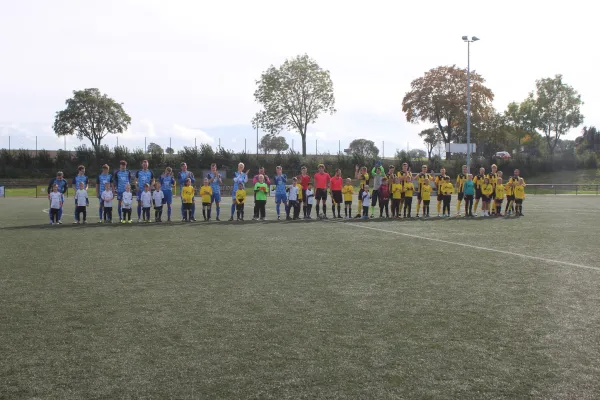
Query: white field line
<point>548,260</point>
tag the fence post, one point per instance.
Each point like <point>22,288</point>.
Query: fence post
<point>555,190</point>
<point>576,187</point>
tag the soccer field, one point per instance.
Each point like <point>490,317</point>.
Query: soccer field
<point>443,308</point>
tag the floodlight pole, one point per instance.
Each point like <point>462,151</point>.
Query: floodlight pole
<point>466,39</point>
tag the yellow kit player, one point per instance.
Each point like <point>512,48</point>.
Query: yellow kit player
<point>439,182</point>
<point>348,192</point>
<point>478,180</point>
<point>421,177</point>
<point>519,190</point>
<point>499,196</point>
<point>363,180</point>
<point>206,193</point>
<point>460,187</point>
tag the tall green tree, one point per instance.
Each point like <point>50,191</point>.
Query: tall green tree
<point>154,148</point>
<point>92,115</point>
<point>270,143</point>
<point>589,140</point>
<point>557,109</point>
<point>363,149</point>
<point>431,138</point>
<point>440,97</point>
<point>293,95</point>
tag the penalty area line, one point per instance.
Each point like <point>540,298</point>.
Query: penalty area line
<point>547,260</point>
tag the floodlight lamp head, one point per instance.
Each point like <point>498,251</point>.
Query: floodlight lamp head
<point>465,38</point>
<point>474,38</point>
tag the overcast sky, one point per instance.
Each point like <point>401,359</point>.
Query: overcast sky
<point>187,69</point>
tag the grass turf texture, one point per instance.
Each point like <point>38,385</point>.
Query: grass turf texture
<point>301,310</point>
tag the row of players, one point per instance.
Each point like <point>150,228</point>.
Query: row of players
<point>397,187</point>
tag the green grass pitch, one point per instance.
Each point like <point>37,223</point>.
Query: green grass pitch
<point>445,309</point>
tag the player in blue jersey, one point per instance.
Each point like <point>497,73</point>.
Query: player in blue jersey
<point>103,178</point>
<point>238,177</point>
<point>167,182</point>
<point>121,178</point>
<point>181,178</point>
<point>215,180</point>
<point>61,183</point>
<point>280,190</point>
<point>143,176</point>
<point>79,178</point>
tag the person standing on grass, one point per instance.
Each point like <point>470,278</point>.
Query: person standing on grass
<point>187,197</point>
<point>122,178</point>
<point>513,181</point>
<point>363,179</point>
<point>469,191</point>
<point>322,180</point>
<point>261,171</point>
<point>77,179</point>
<point>486,191</point>
<point>143,176</point>
<point>421,178</point>
<point>182,177</point>
<point>510,198</point>
<point>478,183</point>
<point>337,184</point>
<point>146,200</point>
<point>396,194</point>
<point>280,181</point>
<point>440,180</point>
<point>310,198</point>
<point>81,203</point>
<point>405,177</point>
<point>260,190</point>
<point>206,195</point>
<point>103,178</point>
<point>493,177</point>
<point>384,198</point>
<point>348,192</point>
<point>158,198</point>
<point>366,198</point>
<point>304,180</point>
<point>460,184</point>
<point>499,196</point>
<point>378,173</point>
<point>447,190</point>
<point>408,190</point>
<point>239,177</point>
<point>61,184</point>
<point>127,204</point>
<point>107,198</point>
<point>425,195</point>
<point>293,204</point>
<point>240,199</point>
<point>519,190</point>
<point>167,182</point>
<point>216,180</point>
<point>56,202</point>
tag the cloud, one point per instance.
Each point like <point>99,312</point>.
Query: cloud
<point>191,133</point>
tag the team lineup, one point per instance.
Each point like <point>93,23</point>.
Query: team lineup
<point>391,191</point>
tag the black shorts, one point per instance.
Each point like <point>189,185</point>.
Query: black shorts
<point>510,198</point>
<point>477,194</point>
<point>336,196</point>
<point>493,195</point>
<point>206,204</point>
<point>440,197</point>
<point>498,201</point>
<point>304,199</point>
<point>321,194</point>
<point>348,203</point>
<point>519,201</point>
<point>360,192</point>
<point>485,198</point>
<point>461,196</point>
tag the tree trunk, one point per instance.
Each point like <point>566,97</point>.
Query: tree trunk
<point>303,145</point>
<point>448,153</point>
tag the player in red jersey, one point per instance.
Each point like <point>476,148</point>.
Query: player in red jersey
<point>336,192</point>
<point>322,180</point>
<point>304,180</point>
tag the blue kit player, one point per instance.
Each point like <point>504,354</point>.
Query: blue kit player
<point>238,177</point>
<point>122,177</point>
<point>103,178</point>
<point>167,182</point>
<point>280,190</point>
<point>79,178</point>
<point>215,181</point>
<point>181,178</point>
<point>61,183</point>
<point>143,176</point>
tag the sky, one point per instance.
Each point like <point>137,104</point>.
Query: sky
<point>185,70</point>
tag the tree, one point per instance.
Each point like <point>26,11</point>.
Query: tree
<point>363,149</point>
<point>492,132</point>
<point>518,120</point>
<point>417,154</point>
<point>91,115</point>
<point>169,150</point>
<point>589,140</point>
<point>439,97</point>
<point>270,143</point>
<point>556,109</point>
<point>154,148</point>
<point>293,96</point>
<point>431,138</point>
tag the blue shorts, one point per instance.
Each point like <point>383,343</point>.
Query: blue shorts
<point>168,197</point>
<point>138,195</point>
<point>216,197</point>
<point>120,196</point>
<point>280,197</point>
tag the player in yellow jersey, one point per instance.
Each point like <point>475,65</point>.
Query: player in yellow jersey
<point>396,193</point>
<point>499,196</point>
<point>512,182</point>
<point>478,180</point>
<point>240,199</point>
<point>206,193</point>
<point>348,192</point>
<point>425,194</point>
<point>421,177</point>
<point>363,180</point>
<point>493,177</point>
<point>439,181</point>
<point>187,196</point>
<point>408,188</point>
<point>519,190</point>
<point>447,190</point>
<point>486,192</point>
<point>460,186</point>
<point>510,198</point>
<point>405,176</point>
